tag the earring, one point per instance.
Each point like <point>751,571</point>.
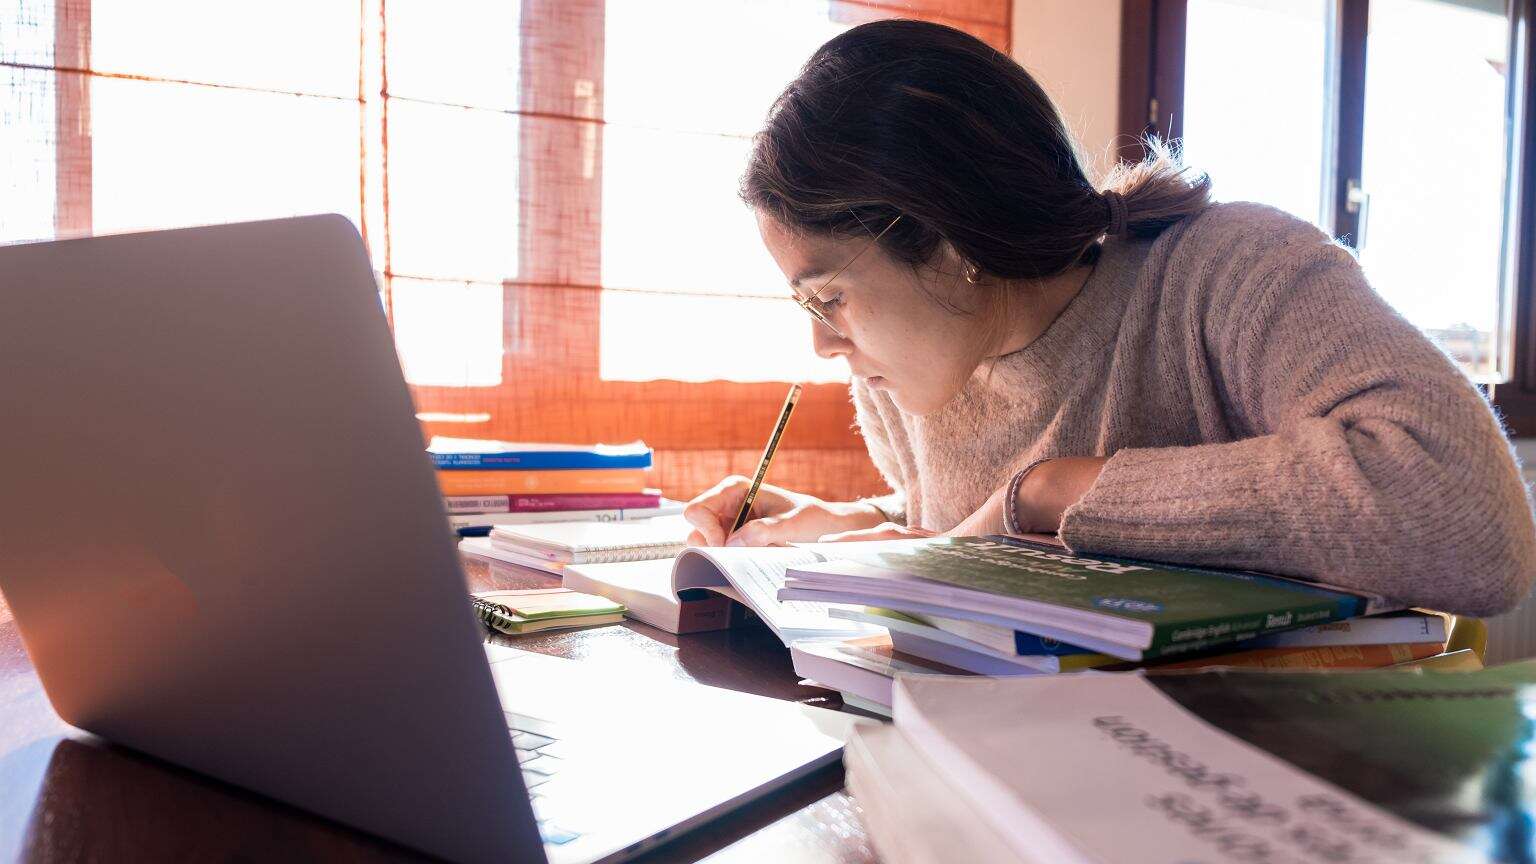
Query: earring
<point>973,274</point>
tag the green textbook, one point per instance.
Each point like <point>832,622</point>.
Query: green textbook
<point>1130,609</point>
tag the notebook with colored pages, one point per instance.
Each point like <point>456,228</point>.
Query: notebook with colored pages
<point>532,609</point>
<point>595,542</point>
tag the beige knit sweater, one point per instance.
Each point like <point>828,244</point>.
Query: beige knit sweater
<point>1263,408</point>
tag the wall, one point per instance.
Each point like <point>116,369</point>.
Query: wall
<point>1072,47</point>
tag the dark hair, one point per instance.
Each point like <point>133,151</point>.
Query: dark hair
<point>918,120</point>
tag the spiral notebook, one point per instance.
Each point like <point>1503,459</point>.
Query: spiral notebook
<point>531,609</point>
<point>595,542</point>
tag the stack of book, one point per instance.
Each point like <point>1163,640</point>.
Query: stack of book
<point>1003,606</point>
<point>1373,766</point>
<point>489,483</point>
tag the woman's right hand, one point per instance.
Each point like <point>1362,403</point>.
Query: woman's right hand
<point>778,516</point>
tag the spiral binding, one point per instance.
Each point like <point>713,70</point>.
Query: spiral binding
<point>637,552</point>
<point>493,615</point>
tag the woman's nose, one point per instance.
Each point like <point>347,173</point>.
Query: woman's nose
<point>827,342</point>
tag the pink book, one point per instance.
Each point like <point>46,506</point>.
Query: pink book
<point>554,502</point>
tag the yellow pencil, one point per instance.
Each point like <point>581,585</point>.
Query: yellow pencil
<point>762,465</point>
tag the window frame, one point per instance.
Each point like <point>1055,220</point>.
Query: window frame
<point>1151,101</point>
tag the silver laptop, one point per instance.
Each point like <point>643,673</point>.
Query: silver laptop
<point>223,546</point>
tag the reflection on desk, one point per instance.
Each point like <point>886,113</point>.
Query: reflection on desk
<point>65,795</point>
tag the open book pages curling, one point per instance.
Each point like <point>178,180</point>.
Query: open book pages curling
<point>664,593</point>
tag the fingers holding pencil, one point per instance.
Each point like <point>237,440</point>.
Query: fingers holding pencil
<point>772,447</point>
<point>779,516</point>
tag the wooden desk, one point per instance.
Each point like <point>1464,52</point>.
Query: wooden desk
<point>67,796</point>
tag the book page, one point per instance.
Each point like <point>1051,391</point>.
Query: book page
<point>757,574</point>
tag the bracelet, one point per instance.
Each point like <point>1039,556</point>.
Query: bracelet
<point>1011,505</point>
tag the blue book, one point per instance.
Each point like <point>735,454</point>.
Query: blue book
<point>1028,643</point>
<point>481,455</point>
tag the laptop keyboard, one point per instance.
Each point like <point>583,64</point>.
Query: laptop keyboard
<point>539,755</point>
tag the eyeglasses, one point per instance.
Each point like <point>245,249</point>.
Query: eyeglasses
<point>813,303</point>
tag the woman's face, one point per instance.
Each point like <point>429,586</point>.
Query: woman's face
<point>896,334</point>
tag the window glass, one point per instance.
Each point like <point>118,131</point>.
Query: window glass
<point>1255,109</point>
<point>1433,170</point>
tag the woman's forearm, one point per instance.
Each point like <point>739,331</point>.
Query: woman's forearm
<point>1051,487</point>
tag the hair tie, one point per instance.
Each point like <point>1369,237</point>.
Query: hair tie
<point>1116,204</point>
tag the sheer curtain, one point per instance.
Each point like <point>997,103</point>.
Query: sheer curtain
<point>547,189</point>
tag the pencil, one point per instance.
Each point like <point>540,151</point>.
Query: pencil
<point>762,464</point>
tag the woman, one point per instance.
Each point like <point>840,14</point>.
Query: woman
<point>1144,372</point>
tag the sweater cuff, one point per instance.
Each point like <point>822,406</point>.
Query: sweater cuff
<point>1204,504</point>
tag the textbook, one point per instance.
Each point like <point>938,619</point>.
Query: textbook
<point>480,547</point>
<point>480,524</point>
<point>916,634</point>
<point>1409,625</point>
<point>1373,767</point>
<point>1315,657</point>
<point>547,481</point>
<point>864,666</point>
<point>911,813</point>
<point>473,453</point>
<point>557,502</point>
<point>1385,629</point>
<point>911,636</point>
<point>1129,609</point>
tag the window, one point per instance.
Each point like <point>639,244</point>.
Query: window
<point>547,189</point>
<point>1234,84</point>
<point>666,223</point>
<point>1398,126</point>
<point>1432,218</point>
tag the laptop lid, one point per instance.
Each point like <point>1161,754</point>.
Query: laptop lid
<point>221,540</point>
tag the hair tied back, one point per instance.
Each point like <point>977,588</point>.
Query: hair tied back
<point>1116,204</point>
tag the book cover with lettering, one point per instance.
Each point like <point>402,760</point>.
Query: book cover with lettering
<point>1341,767</point>
<point>474,453</point>
<point>560,502</point>
<point>1129,609</point>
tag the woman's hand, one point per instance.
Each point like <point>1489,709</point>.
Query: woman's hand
<point>883,531</point>
<point>778,516</point>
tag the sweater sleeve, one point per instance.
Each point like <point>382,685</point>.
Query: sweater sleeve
<point>1364,459</point>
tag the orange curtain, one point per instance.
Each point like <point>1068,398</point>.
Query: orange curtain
<point>467,141</point>
<point>550,386</point>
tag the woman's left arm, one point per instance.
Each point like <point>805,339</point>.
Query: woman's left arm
<point>1370,461</point>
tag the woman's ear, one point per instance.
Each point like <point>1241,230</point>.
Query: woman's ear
<point>950,277</point>
<point>957,284</point>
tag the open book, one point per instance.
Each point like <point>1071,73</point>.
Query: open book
<point>657,592</point>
